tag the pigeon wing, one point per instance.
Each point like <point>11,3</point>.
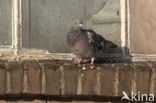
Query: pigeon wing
<point>96,41</point>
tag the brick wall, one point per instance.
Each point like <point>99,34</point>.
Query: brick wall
<point>59,80</point>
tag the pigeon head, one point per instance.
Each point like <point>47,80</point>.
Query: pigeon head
<point>75,34</point>
<point>77,26</point>
<point>78,23</point>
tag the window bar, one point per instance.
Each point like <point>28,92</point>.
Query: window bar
<point>128,26</point>
<point>123,26</point>
<point>16,25</point>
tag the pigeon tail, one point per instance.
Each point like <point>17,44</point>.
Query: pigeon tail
<point>114,46</point>
<point>109,44</point>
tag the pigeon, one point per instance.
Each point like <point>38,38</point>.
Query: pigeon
<point>86,44</point>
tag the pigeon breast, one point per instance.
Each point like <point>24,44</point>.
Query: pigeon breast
<point>78,44</point>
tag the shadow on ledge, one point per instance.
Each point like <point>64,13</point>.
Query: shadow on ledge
<point>119,58</point>
<point>112,58</point>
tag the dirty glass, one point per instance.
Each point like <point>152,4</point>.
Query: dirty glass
<point>142,27</point>
<point>46,22</point>
<point>5,23</point>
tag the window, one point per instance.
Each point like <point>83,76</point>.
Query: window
<point>39,27</point>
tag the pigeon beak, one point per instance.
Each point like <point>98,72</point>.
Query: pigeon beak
<point>80,25</point>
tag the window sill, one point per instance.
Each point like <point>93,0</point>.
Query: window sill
<point>61,78</point>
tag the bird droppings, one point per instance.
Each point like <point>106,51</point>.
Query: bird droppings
<point>91,67</point>
<point>83,68</point>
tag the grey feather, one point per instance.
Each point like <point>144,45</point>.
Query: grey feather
<point>86,43</point>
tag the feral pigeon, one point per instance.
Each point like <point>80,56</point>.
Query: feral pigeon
<point>86,44</point>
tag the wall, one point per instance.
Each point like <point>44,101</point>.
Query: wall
<point>59,80</point>
<point>142,26</point>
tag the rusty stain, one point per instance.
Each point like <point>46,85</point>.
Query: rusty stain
<point>43,78</point>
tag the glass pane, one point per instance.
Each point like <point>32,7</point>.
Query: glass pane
<point>46,22</point>
<point>5,22</point>
<point>142,26</point>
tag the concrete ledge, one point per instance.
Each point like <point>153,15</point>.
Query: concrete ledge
<point>59,80</point>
